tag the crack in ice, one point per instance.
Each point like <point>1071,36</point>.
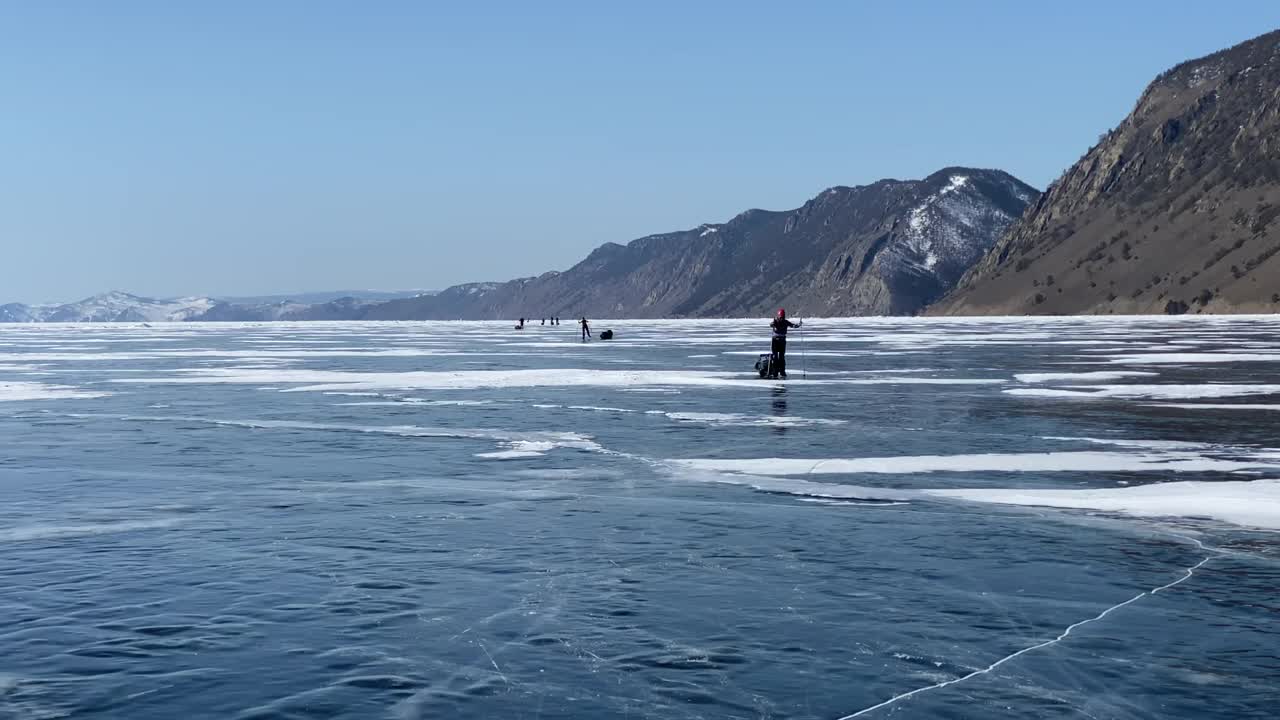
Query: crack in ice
<point>937,686</point>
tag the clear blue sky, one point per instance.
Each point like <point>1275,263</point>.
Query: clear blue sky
<point>276,146</point>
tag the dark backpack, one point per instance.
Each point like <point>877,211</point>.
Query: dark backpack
<point>764,365</point>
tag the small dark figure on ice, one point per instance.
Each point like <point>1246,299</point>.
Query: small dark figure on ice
<point>586,329</point>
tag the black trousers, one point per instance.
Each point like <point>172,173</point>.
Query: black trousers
<point>779,350</point>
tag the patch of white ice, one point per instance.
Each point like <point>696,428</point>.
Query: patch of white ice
<point>1215,406</point>
<point>1191,358</point>
<point>1079,461</point>
<point>520,449</point>
<point>1252,502</point>
<point>746,420</point>
<point>19,391</point>
<point>1081,376</point>
<point>1149,392</point>
<point>48,532</point>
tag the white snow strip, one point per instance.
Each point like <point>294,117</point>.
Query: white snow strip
<point>1082,376</point>
<point>414,401</point>
<point>1147,444</point>
<point>333,380</point>
<point>1192,358</point>
<point>803,488</point>
<point>794,355</point>
<point>19,391</point>
<point>886,380</point>
<point>1149,392</point>
<point>528,441</point>
<point>257,355</point>
<point>1083,461</point>
<point>47,532</point>
<point>746,420</point>
<point>1215,406</point>
<point>1249,502</point>
<point>520,449</point>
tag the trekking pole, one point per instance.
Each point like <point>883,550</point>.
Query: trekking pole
<point>804,364</point>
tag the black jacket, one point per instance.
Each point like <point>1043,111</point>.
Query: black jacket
<point>780,327</point>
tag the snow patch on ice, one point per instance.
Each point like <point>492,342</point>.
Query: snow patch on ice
<point>1079,461</point>
<point>350,381</point>
<point>534,441</point>
<point>804,488</point>
<point>732,419</point>
<point>48,532</point>
<point>1081,376</point>
<point>21,391</point>
<point>520,449</point>
<point>1192,358</point>
<point>1252,502</point>
<point>1149,392</point>
<point>1216,406</point>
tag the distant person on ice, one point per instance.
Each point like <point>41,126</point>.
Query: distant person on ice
<point>586,330</point>
<point>778,348</point>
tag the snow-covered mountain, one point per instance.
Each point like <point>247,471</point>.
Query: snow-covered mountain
<point>954,218</point>
<point>112,306</point>
<point>124,307</point>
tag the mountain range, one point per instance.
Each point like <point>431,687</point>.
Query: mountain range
<point>116,306</point>
<point>891,247</point>
<point>888,248</point>
<point>1173,211</point>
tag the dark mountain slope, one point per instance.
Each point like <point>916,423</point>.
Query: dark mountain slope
<point>890,247</point>
<point>1174,210</point>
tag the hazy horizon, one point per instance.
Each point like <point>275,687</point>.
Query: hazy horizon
<point>239,150</point>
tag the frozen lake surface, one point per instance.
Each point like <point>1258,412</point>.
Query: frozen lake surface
<point>1038,518</point>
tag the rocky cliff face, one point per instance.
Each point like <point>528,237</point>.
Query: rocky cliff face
<point>891,247</point>
<point>1175,210</point>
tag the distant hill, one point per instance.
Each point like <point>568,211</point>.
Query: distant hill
<point>116,306</point>
<point>1175,210</point>
<point>320,297</point>
<point>112,306</point>
<point>890,248</point>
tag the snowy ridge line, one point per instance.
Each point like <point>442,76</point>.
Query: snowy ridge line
<point>1053,641</point>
